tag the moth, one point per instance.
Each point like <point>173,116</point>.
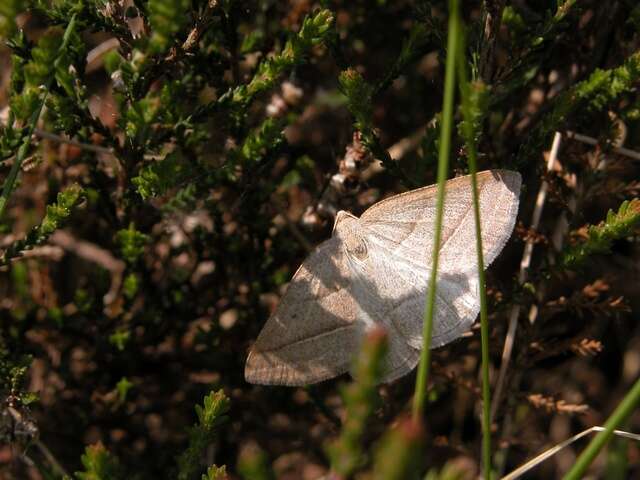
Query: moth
<point>374,270</point>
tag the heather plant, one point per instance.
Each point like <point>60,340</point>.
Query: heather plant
<point>167,164</point>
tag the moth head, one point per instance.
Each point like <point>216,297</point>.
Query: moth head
<point>347,229</point>
<point>344,222</point>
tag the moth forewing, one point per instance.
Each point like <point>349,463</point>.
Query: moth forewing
<point>311,334</point>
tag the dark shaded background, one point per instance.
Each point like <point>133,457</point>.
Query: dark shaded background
<point>210,275</point>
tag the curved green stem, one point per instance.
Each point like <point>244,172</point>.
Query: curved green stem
<point>443,167</point>
<point>620,414</point>
<point>469,134</point>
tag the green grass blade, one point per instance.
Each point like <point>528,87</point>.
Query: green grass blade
<point>469,135</point>
<point>443,167</point>
<point>620,414</point>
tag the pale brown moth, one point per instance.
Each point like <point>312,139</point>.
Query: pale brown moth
<point>374,270</point>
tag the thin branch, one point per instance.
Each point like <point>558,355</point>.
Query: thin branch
<point>534,462</point>
<point>522,278</point>
<point>492,21</point>
<point>95,254</point>
<point>396,152</point>
<point>165,64</point>
<point>293,228</point>
<point>55,464</point>
<point>69,141</point>
<point>592,141</point>
<point>96,55</point>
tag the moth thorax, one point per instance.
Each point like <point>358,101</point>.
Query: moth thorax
<point>357,247</point>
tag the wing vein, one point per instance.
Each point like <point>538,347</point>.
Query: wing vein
<point>318,335</point>
<point>460,223</point>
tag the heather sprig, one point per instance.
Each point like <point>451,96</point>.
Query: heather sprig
<point>599,90</point>
<point>166,19</point>
<point>600,238</point>
<point>476,106</point>
<point>156,178</point>
<point>314,31</point>
<point>56,214</point>
<point>399,452</point>
<point>253,464</point>
<point>9,10</point>
<point>359,96</point>
<point>266,137</point>
<point>99,464</point>
<point>413,46</point>
<point>46,70</point>
<point>215,473</point>
<point>346,453</point>
<point>131,243</point>
<point>13,372</point>
<point>532,42</point>
<point>211,415</point>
